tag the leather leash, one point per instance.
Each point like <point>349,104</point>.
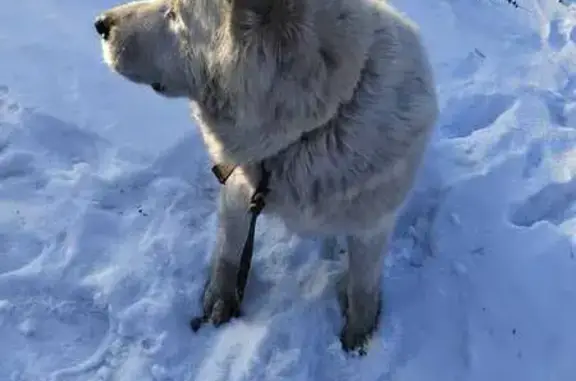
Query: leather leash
<point>257,203</point>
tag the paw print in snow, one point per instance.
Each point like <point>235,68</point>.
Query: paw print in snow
<point>9,110</point>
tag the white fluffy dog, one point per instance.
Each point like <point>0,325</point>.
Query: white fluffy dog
<point>335,98</point>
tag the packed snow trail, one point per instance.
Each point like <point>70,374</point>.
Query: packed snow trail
<point>107,217</point>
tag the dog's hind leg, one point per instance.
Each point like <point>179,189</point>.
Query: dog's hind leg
<point>360,299</point>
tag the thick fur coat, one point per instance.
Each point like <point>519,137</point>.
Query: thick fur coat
<point>335,97</point>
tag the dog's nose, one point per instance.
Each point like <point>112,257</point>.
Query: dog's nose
<point>103,24</point>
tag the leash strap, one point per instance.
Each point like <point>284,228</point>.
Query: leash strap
<point>222,173</point>
<point>257,203</point>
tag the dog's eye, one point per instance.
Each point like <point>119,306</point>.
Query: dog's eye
<point>170,14</point>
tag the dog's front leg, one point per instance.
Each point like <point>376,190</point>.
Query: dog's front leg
<point>220,302</point>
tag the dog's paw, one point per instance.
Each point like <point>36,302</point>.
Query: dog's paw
<point>356,340</point>
<point>359,327</point>
<point>218,307</point>
<point>222,310</point>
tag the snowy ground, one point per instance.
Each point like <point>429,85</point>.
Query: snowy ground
<point>107,216</point>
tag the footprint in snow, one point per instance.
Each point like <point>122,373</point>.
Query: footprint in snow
<point>557,35</point>
<point>554,203</point>
<point>9,116</point>
<point>470,65</point>
<point>45,136</point>
<point>60,142</point>
<point>46,328</point>
<point>462,116</point>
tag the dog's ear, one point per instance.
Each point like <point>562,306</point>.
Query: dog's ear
<point>268,16</point>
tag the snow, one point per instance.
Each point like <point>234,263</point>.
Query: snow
<point>107,217</point>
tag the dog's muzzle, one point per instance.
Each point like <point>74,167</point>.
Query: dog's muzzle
<point>103,26</point>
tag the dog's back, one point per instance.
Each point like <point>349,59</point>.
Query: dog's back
<point>358,167</point>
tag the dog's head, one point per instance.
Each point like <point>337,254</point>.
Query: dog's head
<point>172,45</point>
<point>145,42</point>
